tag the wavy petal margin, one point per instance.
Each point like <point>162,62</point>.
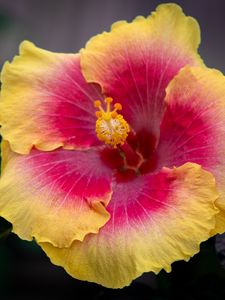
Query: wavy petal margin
<point>155,220</point>
<point>46,102</point>
<point>135,62</point>
<point>193,127</point>
<point>54,197</point>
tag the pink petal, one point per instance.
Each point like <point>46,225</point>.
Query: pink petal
<point>193,127</point>
<point>55,197</point>
<point>155,220</point>
<point>46,102</point>
<point>135,62</point>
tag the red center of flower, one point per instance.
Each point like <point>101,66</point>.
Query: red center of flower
<point>134,158</point>
<point>128,153</point>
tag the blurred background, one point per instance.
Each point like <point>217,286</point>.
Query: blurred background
<point>65,26</point>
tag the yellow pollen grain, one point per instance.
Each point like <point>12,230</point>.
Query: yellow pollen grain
<point>111,127</point>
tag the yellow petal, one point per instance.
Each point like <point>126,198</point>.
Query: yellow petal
<point>56,197</point>
<point>155,220</point>
<point>45,102</point>
<point>134,62</point>
<point>193,126</point>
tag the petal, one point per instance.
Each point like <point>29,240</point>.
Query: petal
<point>135,62</point>
<point>46,102</point>
<point>155,220</point>
<point>193,128</point>
<point>55,197</point>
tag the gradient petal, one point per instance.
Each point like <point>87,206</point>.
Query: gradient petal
<point>46,102</point>
<point>193,128</point>
<point>155,220</point>
<point>135,62</point>
<point>54,197</point>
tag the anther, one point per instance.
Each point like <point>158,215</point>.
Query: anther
<point>108,100</point>
<point>98,114</point>
<point>111,127</point>
<point>118,106</point>
<point>97,103</point>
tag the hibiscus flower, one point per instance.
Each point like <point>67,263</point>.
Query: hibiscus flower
<point>113,158</point>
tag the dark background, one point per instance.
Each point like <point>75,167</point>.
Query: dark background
<point>65,26</point>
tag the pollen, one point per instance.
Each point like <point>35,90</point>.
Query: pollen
<point>111,127</point>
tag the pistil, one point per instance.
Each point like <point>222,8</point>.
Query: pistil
<point>132,159</point>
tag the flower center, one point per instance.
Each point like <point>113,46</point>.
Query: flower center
<point>111,128</point>
<point>134,158</point>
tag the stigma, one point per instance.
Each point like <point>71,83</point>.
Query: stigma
<point>111,128</point>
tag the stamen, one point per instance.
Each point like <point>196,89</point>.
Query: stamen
<point>98,114</point>
<point>111,127</point>
<point>118,106</point>
<point>108,100</point>
<point>97,103</point>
